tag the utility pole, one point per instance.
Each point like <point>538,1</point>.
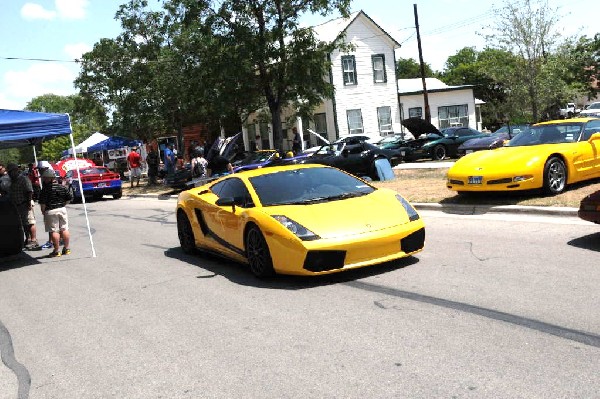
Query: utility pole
<point>425,98</point>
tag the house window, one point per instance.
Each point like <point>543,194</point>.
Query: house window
<point>416,112</point>
<point>349,70</point>
<point>453,115</point>
<point>379,75</point>
<point>355,123</point>
<point>264,135</point>
<point>320,127</point>
<point>384,116</point>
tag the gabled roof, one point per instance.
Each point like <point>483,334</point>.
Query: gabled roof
<point>415,86</point>
<point>331,30</point>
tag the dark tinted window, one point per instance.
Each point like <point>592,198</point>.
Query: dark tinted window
<point>304,186</point>
<point>591,128</point>
<point>236,189</point>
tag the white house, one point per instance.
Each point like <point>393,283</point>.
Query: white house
<point>448,105</point>
<point>367,99</point>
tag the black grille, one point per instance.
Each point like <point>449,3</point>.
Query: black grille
<point>501,181</point>
<point>413,242</point>
<point>319,261</point>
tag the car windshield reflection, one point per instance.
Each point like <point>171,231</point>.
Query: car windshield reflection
<point>547,134</point>
<point>307,186</point>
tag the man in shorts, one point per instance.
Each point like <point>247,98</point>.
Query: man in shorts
<point>134,162</point>
<point>53,200</point>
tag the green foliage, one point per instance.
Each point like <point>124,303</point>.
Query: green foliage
<point>408,68</point>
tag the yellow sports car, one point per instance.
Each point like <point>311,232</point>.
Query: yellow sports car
<point>298,219</point>
<point>549,156</point>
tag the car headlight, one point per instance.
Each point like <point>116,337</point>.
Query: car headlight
<point>410,211</point>
<point>300,231</point>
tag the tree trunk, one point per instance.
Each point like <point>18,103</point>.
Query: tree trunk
<point>275,109</point>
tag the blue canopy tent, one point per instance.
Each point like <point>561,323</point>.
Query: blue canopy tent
<point>113,143</point>
<point>27,128</point>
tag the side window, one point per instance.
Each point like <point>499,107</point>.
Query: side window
<point>237,189</point>
<point>349,70</point>
<point>216,188</point>
<point>378,62</point>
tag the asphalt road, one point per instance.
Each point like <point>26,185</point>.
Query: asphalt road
<point>497,305</point>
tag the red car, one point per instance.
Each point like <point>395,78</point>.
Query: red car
<point>96,181</point>
<point>589,208</point>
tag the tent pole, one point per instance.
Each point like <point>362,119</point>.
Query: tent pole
<point>87,220</point>
<point>35,161</point>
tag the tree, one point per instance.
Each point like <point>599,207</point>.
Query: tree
<point>525,28</point>
<point>84,122</point>
<point>408,68</point>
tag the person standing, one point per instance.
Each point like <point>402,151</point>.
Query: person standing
<point>153,161</point>
<point>169,160</point>
<point>218,165</point>
<point>199,163</point>
<point>21,195</point>
<point>42,166</point>
<point>53,200</point>
<point>4,181</point>
<point>134,164</point>
<point>296,141</point>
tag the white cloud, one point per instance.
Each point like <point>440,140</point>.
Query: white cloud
<point>65,9</point>
<point>76,50</point>
<point>22,86</point>
<point>72,9</point>
<point>31,11</point>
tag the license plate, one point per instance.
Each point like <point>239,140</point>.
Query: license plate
<point>101,184</point>
<point>475,179</point>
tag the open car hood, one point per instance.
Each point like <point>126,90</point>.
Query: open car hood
<point>418,127</point>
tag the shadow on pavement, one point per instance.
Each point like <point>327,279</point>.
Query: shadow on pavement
<point>17,261</point>
<point>240,274</point>
<point>591,242</point>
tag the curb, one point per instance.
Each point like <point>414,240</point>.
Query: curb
<point>483,209</point>
<point>458,209</point>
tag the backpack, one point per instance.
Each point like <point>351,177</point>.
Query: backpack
<point>198,169</point>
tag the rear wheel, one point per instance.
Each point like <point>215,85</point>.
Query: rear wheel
<point>555,176</point>
<point>439,152</point>
<point>257,253</point>
<point>185,233</point>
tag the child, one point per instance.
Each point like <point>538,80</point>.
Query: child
<point>53,199</point>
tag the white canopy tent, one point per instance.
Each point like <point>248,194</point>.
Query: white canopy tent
<point>90,141</point>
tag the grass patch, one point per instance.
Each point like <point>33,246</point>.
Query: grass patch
<point>429,186</point>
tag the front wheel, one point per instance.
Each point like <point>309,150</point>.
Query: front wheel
<point>555,176</point>
<point>257,253</point>
<point>185,233</point>
<point>439,152</point>
<point>118,195</point>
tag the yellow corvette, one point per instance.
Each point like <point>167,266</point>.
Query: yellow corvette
<point>548,155</point>
<point>298,219</point>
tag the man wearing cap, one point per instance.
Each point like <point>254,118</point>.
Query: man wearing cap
<point>42,166</point>
<point>21,195</point>
<point>53,200</point>
<point>134,163</point>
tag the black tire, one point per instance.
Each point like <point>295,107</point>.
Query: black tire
<point>257,253</point>
<point>75,198</point>
<point>439,152</point>
<point>555,176</point>
<point>118,195</point>
<point>185,233</point>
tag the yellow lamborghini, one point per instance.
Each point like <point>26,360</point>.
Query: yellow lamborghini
<point>548,156</point>
<point>298,219</point>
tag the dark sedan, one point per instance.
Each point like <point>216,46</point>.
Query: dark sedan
<point>491,141</point>
<point>358,159</point>
<point>589,208</point>
<point>438,146</point>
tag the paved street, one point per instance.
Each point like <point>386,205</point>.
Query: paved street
<point>497,305</point>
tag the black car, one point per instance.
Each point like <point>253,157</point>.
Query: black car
<point>358,159</point>
<point>494,140</point>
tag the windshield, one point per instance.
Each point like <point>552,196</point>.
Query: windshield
<point>307,186</point>
<point>389,140</point>
<point>547,134</point>
<point>593,106</point>
<point>331,149</point>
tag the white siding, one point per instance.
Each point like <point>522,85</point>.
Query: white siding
<point>441,99</point>
<point>365,95</point>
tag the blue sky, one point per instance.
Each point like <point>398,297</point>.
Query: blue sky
<point>61,30</point>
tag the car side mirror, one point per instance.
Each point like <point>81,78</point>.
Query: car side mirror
<point>226,201</point>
